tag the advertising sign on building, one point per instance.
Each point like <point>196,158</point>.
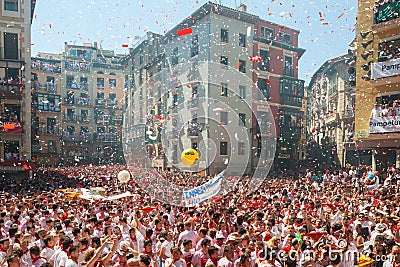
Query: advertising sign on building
<point>390,124</point>
<point>385,69</point>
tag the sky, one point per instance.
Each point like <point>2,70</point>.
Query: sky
<point>326,26</point>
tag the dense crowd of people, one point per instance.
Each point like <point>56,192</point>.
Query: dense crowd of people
<point>348,217</point>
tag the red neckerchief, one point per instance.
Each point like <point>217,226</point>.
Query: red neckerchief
<point>2,250</point>
<point>75,259</point>
<point>67,253</point>
<point>35,260</point>
<point>51,247</point>
<point>215,261</point>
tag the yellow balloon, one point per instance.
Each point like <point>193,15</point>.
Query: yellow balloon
<point>189,157</point>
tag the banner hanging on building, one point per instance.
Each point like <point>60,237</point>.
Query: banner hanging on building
<point>10,127</point>
<point>390,124</point>
<point>385,69</point>
<point>203,192</point>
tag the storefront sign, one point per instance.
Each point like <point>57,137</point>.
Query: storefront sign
<point>10,127</point>
<point>390,124</point>
<point>386,69</point>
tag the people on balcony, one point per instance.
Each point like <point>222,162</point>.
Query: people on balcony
<point>386,110</point>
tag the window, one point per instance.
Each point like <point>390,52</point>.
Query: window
<point>11,5</point>
<point>285,38</point>
<point>100,83</point>
<point>242,40</point>
<point>11,150</point>
<point>242,119</point>
<point>70,98</point>
<point>70,81</point>
<point>113,99</point>
<point>83,83</point>
<point>51,126</point>
<point>263,86</point>
<point>224,36</point>
<point>264,64</point>
<point>112,83</point>
<point>224,118</point>
<point>224,89</point>
<point>194,49</point>
<point>47,102</point>
<point>264,126</point>
<point>11,45</point>
<point>70,114</point>
<point>51,146</point>
<point>50,85</point>
<point>84,114</point>
<point>292,91</point>
<point>223,148</point>
<point>267,33</point>
<point>242,91</point>
<point>141,58</point>
<point>174,57</point>
<point>240,148</point>
<point>224,60</point>
<point>242,66</point>
<point>288,67</point>
<point>70,129</point>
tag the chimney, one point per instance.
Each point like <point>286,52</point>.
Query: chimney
<point>242,8</point>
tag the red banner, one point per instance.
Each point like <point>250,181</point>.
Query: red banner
<point>10,127</point>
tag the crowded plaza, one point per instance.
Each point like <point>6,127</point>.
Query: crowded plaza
<point>346,217</point>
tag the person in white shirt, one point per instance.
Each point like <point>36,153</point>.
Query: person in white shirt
<point>227,260</point>
<point>72,261</point>
<point>396,108</point>
<point>49,248</point>
<point>175,260</point>
<point>166,246</point>
<point>37,261</point>
<point>188,234</point>
<point>376,111</point>
<point>60,256</point>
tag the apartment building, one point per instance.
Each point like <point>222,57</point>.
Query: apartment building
<point>378,82</point>
<point>229,37</point>
<point>15,96</point>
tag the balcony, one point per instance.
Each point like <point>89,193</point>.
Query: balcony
<point>53,131</point>
<point>82,101</point>
<point>348,113</point>
<point>291,132</point>
<point>52,66</point>
<point>11,89</point>
<point>103,119</point>
<point>387,11</point>
<point>85,137</point>
<point>77,66</point>
<point>100,102</point>
<point>108,137</point>
<point>291,100</point>
<point>46,106</point>
<point>77,118</point>
<point>74,85</point>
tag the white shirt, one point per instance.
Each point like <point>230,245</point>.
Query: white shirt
<point>59,257</point>
<point>188,234</point>
<point>178,263</point>
<point>71,263</point>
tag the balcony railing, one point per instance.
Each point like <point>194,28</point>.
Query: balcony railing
<point>68,136</point>
<point>387,11</point>
<point>52,107</point>
<point>12,88</point>
<point>45,66</point>
<point>77,118</point>
<point>78,66</point>
<point>108,137</point>
<point>74,85</point>
<point>82,101</point>
<point>291,100</point>
<point>52,131</point>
